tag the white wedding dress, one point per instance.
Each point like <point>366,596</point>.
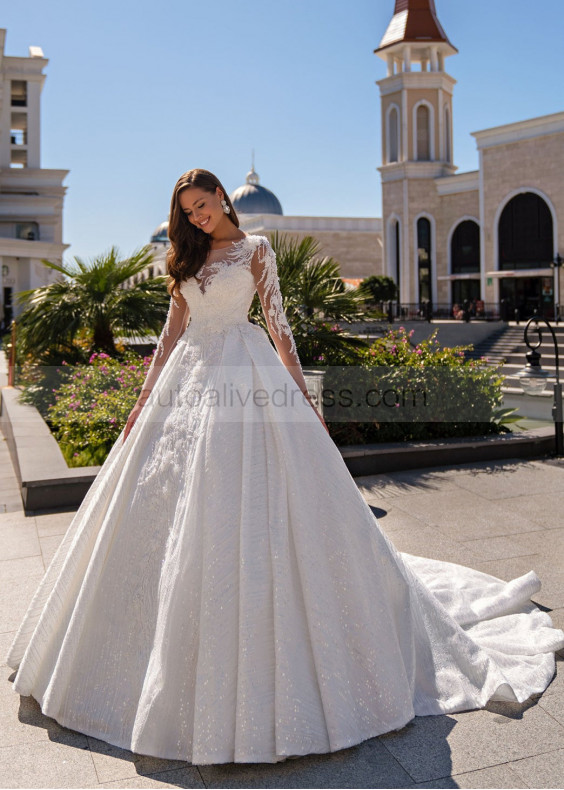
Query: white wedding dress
<point>224,593</point>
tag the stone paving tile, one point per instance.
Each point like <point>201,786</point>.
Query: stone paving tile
<point>6,640</point>
<point>113,763</point>
<point>366,765</point>
<point>374,487</point>
<point>507,480</point>
<point>53,523</point>
<point>498,548</point>
<point>429,542</point>
<point>396,520</point>
<point>47,764</point>
<point>11,504</point>
<point>181,777</point>
<point>542,509</point>
<point>546,770</point>
<point>435,747</point>
<point>465,516</point>
<point>553,704</point>
<point>549,542</point>
<point>500,776</point>
<point>22,721</point>
<point>49,546</point>
<point>19,579</point>
<point>15,519</point>
<point>19,540</point>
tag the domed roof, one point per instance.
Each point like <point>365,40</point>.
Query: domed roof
<point>252,198</point>
<point>160,233</point>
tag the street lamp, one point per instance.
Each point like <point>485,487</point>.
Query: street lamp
<point>533,378</point>
<point>556,264</point>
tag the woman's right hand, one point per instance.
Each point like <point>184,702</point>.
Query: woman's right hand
<point>133,415</point>
<point>313,406</point>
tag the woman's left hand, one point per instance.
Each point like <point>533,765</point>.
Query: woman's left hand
<point>312,404</point>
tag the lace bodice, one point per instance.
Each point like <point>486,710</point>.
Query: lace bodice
<point>219,297</point>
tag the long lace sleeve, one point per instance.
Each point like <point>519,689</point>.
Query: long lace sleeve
<point>174,326</point>
<point>265,273</point>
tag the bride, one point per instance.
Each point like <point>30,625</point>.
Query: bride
<point>224,592</point>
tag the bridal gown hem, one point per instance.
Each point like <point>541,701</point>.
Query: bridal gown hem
<point>224,593</point>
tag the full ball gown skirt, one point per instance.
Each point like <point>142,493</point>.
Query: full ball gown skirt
<point>225,594</point>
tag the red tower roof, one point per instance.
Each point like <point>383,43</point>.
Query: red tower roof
<point>414,21</point>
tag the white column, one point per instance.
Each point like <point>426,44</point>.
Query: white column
<point>434,59</point>
<point>404,127</point>
<point>390,65</point>
<point>407,59</point>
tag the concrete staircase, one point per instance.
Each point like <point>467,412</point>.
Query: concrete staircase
<point>507,347</point>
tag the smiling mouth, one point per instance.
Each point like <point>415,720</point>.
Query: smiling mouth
<point>205,222</point>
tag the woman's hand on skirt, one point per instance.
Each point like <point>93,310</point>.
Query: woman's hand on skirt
<point>308,397</point>
<point>133,415</point>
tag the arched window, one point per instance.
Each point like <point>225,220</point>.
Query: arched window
<point>448,139</point>
<point>393,135</point>
<point>424,259</point>
<point>394,255</point>
<point>525,233</point>
<point>423,120</point>
<point>465,248</point>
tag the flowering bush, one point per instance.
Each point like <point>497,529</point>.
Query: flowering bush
<point>402,392</point>
<point>91,407</point>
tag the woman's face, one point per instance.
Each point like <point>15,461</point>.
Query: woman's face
<point>203,209</point>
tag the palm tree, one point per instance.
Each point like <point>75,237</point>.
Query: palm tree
<point>91,301</point>
<point>314,294</point>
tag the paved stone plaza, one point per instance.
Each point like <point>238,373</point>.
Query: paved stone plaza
<point>504,518</point>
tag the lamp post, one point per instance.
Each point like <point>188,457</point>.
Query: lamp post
<point>533,378</point>
<point>556,264</point>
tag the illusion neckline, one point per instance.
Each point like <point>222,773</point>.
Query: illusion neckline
<point>231,244</point>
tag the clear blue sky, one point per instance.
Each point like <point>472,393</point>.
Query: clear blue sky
<point>139,92</point>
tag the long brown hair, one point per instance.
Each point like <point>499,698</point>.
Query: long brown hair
<point>189,245</point>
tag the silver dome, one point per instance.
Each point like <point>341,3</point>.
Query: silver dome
<point>160,234</point>
<point>252,198</point>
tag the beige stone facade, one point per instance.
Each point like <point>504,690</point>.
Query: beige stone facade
<point>490,235</point>
<point>354,242</point>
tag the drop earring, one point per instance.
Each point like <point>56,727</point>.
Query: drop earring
<point>226,209</point>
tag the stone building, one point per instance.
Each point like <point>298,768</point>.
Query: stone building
<point>31,197</point>
<point>488,235</point>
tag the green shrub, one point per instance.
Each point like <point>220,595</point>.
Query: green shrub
<point>91,407</point>
<point>401,392</point>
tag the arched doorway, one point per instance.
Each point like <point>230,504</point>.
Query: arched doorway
<point>525,242</point>
<point>465,261</point>
<point>424,262</point>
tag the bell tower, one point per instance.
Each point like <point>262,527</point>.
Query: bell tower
<point>416,102</point>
